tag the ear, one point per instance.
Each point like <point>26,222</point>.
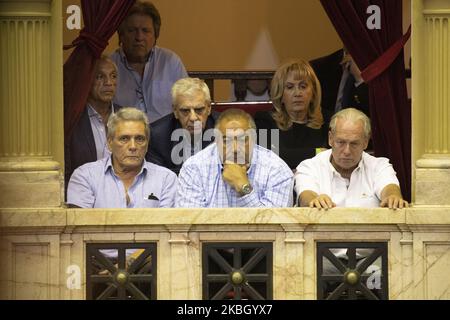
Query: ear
<point>119,35</point>
<point>109,141</point>
<point>366,143</point>
<point>175,112</point>
<point>330,138</point>
<point>209,108</point>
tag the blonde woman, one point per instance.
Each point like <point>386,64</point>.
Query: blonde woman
<point>296,96</point>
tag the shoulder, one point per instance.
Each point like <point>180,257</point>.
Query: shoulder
<point>91,169</point>
<point>320,160</point>
<point>117,107</point>
<point>375,163</point>
<point>165,125</point>
<point>211,121</point>
<point>83,124</point>
<point>115,56</point>
<point>213,116</point>
<point>333,58</point>
<point>166,54</point>
<point>264,120</point>
<point>315,133</point>
<point>267,157</point>
<point>159,170</point>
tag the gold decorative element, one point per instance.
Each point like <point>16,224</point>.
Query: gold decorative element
<point>351,277</point>
<point>121,277</point>
<point>237,277</point>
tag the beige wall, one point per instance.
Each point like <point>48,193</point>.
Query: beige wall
<point>237,35</point>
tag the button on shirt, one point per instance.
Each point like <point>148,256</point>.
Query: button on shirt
<point>362,190</point>
<point>200,182</point>
<point>99,132</point>
<point>151,92</point>
<point>95,185</point>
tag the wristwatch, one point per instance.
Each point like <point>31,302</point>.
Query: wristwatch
<point>246,189</point>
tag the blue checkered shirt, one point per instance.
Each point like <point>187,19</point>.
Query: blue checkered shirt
<point>200,182</point>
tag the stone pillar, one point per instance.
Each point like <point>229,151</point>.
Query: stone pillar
<point>185,264</point>
<point>294,267</point>
<point>29,177</point>
<point>431,101</point>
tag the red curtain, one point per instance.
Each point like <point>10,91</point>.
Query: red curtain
<point>101,20</point>
<point>379,54</point>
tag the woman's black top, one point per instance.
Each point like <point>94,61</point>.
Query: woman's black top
<point>296,144</point>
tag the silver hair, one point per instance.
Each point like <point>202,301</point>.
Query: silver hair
<point>104,58</point>
<point>189,87</point>
<point>232,114</point>
<point>127,114</point>
<point>353,115</point>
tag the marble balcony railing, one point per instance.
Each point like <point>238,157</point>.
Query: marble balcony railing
<point>43,251</point>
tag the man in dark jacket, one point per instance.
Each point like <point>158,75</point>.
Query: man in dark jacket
<point>88,140</point>
<point>342,85</point>
<point>187,130</point>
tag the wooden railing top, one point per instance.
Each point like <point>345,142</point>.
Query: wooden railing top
<point>238,75</point>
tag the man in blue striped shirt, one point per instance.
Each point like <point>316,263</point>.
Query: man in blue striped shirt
<point>234,171</point>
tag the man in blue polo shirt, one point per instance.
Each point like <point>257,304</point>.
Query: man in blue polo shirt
<point>125,179</point>
<point>146,71</point>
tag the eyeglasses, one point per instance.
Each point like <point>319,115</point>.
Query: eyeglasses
<point>186,111</point>
<point>353,144</point>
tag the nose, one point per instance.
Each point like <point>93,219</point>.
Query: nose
<point>139,35</point>
<point>108,81</point>
<point>297,91</point>
<point>193,116</point>
<point>347,148</point>
<point>132,145</point>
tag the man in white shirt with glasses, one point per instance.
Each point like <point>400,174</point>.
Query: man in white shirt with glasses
<point>346,176</point>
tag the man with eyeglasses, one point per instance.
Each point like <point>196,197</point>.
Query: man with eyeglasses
<point>234,171</point>
<point>181,134</point>
<point>346,176</point>
<point>124,179</point>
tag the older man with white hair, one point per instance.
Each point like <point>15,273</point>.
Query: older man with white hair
<point>346,176</point>
<point>124,179</point>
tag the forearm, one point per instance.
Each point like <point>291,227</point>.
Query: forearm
<point>278,195</point>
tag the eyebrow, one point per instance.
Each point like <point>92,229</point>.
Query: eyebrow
<point>189,108</point>
<point>238,137</point>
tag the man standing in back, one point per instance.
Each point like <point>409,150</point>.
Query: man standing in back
<point>146,71</point>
